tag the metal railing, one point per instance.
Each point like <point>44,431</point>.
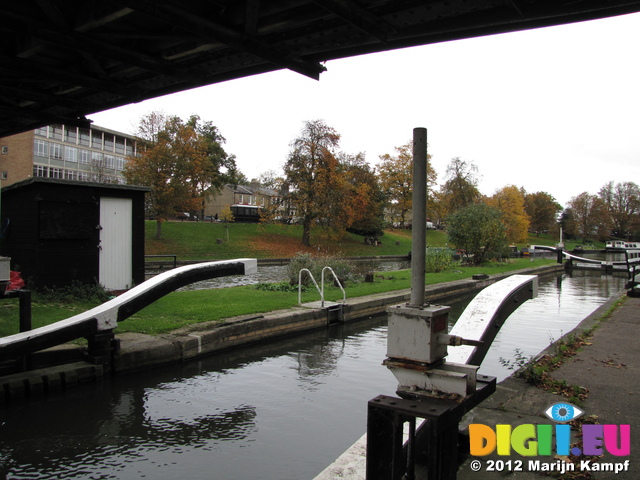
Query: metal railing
<point>319,289</point>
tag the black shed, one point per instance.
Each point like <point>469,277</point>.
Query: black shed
<point>60,231</point>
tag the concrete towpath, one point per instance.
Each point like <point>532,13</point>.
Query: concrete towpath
<point>609,367</point>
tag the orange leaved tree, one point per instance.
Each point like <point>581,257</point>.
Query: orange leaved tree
<point>181,161</point>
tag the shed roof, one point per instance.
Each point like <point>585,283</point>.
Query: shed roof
<point>54,181</point>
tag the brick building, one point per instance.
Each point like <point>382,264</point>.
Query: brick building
<point>63,152</point>
<point>245,202</point>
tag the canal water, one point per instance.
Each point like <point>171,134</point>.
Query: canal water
<point>279,273</point>
<point>279,411</point>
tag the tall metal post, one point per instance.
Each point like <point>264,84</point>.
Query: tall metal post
<point>419,218</point>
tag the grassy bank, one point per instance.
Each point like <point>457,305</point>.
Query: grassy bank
<point>202,240</point>
<point>179,309</point>
<point>208,241</point>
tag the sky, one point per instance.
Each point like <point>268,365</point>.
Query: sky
<point>554,109</point>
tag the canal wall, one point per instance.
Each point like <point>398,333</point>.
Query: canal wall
<point>135,352</point>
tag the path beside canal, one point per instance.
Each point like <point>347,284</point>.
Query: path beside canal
<point>608,367</point>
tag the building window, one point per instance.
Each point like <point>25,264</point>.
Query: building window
<point>129,148</point>
<point>108,142</point>
<point>84,176</point>
<point>55,132</point>
<point>55,151</point>
<point>85,137</point>
<point>96,159</point>
<point>41,148</point>
<point>120,145</point>
<point>85,155</point>
<point>40,171</point>
<point>70,175</point>
<point>119,163</point>
<point>5,175</point>
<point>42,131</point>
<point>55,173</point>
<point>71,154</point>
<point>109,161</point>
<point>71,135</point>
<point>96,139</point>
<point>5,149</point>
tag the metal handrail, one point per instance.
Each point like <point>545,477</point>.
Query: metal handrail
<point>321,292</point>
<point>344,295</point>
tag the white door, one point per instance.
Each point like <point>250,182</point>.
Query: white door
<point>116,236</point>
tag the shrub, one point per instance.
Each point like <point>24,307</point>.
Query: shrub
<point>342,268</point>
<point>478,231</point>
<point>439,260</point>
<point>75,292</point>
<point>278,287</point>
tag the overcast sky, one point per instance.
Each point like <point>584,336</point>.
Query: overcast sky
<point>554,109</point>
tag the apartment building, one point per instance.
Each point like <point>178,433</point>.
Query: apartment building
<point>94,154</point>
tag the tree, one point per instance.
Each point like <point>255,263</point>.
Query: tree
<point>568,224</point>
<point>327,187</point>
<point>510,201</point>
<point>273,208</point>
<point>478,231</point>
<point>218,167</point>
<point>461,187</point>
<point>366,200</point>
<point>590,216</point>
<point>396,181</point>
<point>269,179</point>
<point>312,175</point>
<point>100,169</point>
<point>622,202</point>
<point>180,161</point>
<point>542,210</point>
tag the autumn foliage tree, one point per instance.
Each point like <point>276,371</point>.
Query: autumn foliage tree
<point>510,201</point>
<point>461,186</point>
<point>542,209</point>
<point>622,202</point>
<point>326,187</point>
<point>180,161</point>
<point>364,208</point>
<point>589,216</point>
<point>396,181</point>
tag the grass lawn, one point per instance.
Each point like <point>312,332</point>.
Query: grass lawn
<point>179,309</point>
<point>199,241</point>
<point>202,240</point>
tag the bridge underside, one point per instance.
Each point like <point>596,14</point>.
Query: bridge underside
<point>65,59</point>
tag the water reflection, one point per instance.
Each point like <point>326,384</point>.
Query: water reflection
<point>281,411</point>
